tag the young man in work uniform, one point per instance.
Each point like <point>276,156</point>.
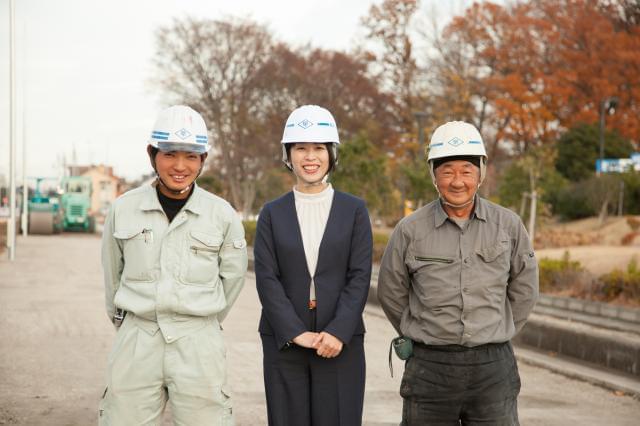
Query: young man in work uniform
<point>459,278</point>
<point>174,258</point>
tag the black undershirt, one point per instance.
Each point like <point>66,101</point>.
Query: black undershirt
<point>171,206</point>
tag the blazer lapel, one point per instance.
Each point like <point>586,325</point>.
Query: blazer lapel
<point>332,223</point>
<point>290,215</point>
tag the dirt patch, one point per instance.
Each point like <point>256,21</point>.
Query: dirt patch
<point>614,231</point>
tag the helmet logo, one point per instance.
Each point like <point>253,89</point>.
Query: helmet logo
<point>183,133</point>
<point>305,124</point>
<point>456,141</point>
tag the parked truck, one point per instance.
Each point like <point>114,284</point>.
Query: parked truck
<point>76,204</point>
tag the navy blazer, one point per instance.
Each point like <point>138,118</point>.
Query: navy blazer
<point>342,275</point>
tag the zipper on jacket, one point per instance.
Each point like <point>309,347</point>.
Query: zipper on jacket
<point>205,249</point>
<point>433,259</point>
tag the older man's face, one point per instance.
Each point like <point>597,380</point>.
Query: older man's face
<point>457,181</point>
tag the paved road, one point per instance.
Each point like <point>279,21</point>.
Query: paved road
<point>55,339</point>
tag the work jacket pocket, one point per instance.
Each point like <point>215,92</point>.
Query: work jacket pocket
<point>201,263</point>
<point>492,269</point>
<point>137,250</point>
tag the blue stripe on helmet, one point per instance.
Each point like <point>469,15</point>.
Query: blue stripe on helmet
<point>476,142</point>
<point>161,138</point>
<point>325,124</point>
<point>155,132</point>
<point>290,125</point>
<point>436,144</point>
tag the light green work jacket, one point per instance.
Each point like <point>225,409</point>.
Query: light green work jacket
<point>176,275</point>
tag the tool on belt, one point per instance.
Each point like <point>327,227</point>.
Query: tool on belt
<point>118,317</point>
<point>403,347</point>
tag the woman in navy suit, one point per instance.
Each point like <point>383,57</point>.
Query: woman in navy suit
<point>313,268</point>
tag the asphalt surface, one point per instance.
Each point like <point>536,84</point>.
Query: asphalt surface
<point>55,339</point>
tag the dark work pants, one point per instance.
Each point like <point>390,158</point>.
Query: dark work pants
<point>304,389</point>
<point>456,385</point>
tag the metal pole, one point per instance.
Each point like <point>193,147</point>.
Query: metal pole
<point>602,102</point>
<point>11,226</point>
<point>25,187</point>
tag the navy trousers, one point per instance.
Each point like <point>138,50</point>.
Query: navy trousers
<point>304,389</point>
<point>457,385</point>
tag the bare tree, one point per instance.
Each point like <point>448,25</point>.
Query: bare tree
<point>215,67</point>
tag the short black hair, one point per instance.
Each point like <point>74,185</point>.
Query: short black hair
<point>332,159</point>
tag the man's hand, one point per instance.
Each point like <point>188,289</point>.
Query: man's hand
<point>326,345</point>
<point>306,339</point>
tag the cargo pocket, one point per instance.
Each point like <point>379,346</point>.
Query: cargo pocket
<point>201,265</point>
<point>226,407</point>
<point>137,248</point>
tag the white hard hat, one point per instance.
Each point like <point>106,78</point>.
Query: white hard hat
<point>455,139</point>
<point>310,124</point>
<point>180,128</point>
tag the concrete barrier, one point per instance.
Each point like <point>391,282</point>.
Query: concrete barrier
<point>599,309</point>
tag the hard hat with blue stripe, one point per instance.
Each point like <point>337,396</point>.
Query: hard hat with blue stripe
<point>457,139</point>
<point>180,128</point>
<point>310,124</point>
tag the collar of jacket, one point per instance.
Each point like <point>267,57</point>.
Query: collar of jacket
<point>150,199</point>
<point>479,211</point>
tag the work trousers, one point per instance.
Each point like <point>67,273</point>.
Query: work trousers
<point>457,385</point>
<point>304,389</point>
<point>144,372</point>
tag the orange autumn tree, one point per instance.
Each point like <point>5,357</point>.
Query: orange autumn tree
<point>543,66</point>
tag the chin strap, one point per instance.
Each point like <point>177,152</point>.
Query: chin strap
<point>177,191</point>
<point>173,191</point>
<point>457,206</point>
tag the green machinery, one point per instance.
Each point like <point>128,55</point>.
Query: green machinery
<point>45,216</point>
<point>76,204</point>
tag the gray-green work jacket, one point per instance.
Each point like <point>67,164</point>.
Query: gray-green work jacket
<point>176,275</point>
<point>440,283</point>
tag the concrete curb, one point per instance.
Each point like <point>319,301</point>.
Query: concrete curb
<point>585,372</point>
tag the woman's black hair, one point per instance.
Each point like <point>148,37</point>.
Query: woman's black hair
<point>332,159</point>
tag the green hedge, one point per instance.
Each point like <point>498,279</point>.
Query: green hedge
<point>619,284</point>
<point>559,274</point>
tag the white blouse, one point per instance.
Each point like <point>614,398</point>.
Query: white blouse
<point>313,213</point>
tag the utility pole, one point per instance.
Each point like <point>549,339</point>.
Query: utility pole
<point>607,105</point>
<point>11,226</point>
<point>25,188</point>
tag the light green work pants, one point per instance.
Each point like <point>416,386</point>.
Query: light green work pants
<point>144,371</point>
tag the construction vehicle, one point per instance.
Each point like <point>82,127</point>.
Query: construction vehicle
<point>45,217</point>
<point>76,204</point>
